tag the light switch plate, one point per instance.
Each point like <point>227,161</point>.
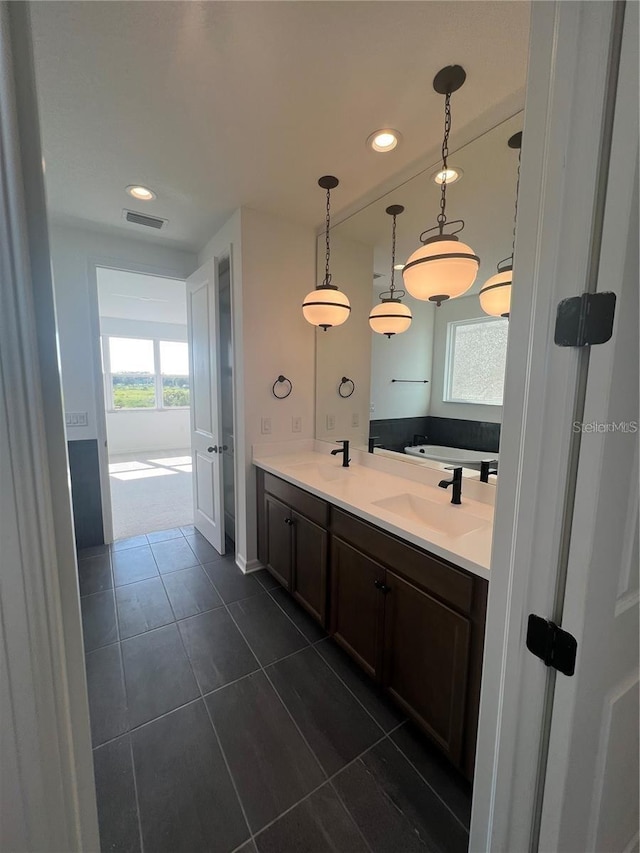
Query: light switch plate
<point>76,419</point>
<point>266,426</point>
<point>331,421</point>
<point>296,424</point>
<point>355,419</point>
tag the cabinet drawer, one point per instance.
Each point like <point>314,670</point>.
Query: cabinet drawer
<point>313,508</point>
<point>441,579</point>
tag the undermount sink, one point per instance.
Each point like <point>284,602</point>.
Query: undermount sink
<point>442,518</point>
<point>324,470</point>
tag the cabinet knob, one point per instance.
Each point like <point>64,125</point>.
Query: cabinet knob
<point>382,586</point>
<point>288,521</point>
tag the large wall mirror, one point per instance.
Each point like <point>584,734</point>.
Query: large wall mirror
<point>433,392</point>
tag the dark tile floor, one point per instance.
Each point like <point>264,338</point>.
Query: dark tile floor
<point>224,719</point>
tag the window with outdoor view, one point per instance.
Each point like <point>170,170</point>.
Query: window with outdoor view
<point>145,373</point>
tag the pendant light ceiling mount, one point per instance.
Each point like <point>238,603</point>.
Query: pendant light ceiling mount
<point>391,317</point>
<point>443,267</point>
<point>326,306</point>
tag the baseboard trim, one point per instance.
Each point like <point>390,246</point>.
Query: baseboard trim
<point>248,566</point>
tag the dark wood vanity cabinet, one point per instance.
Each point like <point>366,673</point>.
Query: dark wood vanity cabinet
<point>426,661</point>
<point>293,545</point>
<point>412,621</point>
<point>357,608</point>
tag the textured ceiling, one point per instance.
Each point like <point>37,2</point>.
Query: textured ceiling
<point>221,104</point>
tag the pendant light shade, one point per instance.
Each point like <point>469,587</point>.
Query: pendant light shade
<point>391,316</point>
<point>443,267</point>
<point>326,306</point>
<point>495,293</point>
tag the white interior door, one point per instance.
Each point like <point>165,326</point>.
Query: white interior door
<point>591,787</point>
<point>206,427</point>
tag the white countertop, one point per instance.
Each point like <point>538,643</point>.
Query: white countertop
<point>361,487</point>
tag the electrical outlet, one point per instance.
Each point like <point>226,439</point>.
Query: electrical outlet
<point>296,424</point>
<point>355,420</point>
<point>331,421</point>
<point>266,426</point>
<point>76,419</point>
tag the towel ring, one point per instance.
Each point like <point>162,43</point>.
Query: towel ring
<point>279,381</point>
<point>346,381</point>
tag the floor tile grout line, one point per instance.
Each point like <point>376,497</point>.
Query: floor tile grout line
<point>430,786</point>
<point>327,781</point>
<point>262,669</point>
<point>126,702</point>
<point>215,732</point>
<point>342,681</point>
<point>270,594</point>
<point>353,820</point>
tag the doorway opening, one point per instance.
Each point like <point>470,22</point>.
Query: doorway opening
<point>145,366</point>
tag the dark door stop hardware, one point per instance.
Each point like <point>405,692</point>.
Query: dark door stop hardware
<point>585,320</point>
<point>555,647</point>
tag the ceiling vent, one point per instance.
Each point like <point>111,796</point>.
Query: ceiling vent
<point>144,219</point>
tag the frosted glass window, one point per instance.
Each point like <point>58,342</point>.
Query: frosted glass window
<point>476,360</point>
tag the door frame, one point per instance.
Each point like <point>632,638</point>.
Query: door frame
<point>567,95</point>
<point>96,262</point>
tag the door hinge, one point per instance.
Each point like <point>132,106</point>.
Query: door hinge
<point>555,647</point>
<point>585,320</point>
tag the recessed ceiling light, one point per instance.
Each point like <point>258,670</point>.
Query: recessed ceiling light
<point>452,174</point>
<point>384,140</point>
<point>140,192</point>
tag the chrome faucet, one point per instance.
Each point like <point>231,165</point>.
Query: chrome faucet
<point>456,482</point>
<point>345,452</point>
<point>488,466</point>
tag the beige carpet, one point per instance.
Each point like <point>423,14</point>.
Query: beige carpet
<point>150,491</point>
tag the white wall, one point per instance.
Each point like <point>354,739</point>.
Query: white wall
<point>345,350</point>
<point>463,308</point>
<point>166,429</point>
<point>73,250</point>
<point>405,356</point>
<point>273,267</point>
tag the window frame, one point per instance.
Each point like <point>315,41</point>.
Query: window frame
<point>447,395</point>
<point>157,375</point>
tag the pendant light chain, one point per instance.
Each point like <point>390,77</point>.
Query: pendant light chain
<point>327,274</point>
<point>515,212</point>
<point>442,216</point>
<point>393,255</point>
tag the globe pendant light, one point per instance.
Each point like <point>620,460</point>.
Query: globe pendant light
<point>391,317</point>
<point>443,267</point>
<point>326,306</point>
<point>495,293</point>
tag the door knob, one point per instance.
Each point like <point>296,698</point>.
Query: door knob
<point>212,449</point>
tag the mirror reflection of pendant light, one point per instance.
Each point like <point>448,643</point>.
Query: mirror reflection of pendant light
<point>326,306</point>
<point>495,293</point>
<point>391,316</point>
<point>443,267</point>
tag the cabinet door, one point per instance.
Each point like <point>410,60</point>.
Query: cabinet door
<point>426,651</point>
<point>278,534</point>
<point>309,575</point>
<point>357,604</point>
